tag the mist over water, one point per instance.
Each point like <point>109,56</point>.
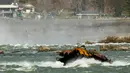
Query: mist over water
<point>26,59</point>
<point>59,31</point>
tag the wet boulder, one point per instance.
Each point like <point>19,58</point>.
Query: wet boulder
<point>124,48</point>
<point>43,49</point>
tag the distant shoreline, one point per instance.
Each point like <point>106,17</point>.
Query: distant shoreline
<point>76,17</point>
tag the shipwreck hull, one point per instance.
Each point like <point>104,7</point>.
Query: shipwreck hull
<point>80,52</point>
<point>72,58</point>
<point>67,60</point>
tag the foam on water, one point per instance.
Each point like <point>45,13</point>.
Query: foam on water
<point>26,69</point>
<point>32,66</point>
<point>23,66</point>
<point>116,63</point>
<point>83,63</point>
<point>53,64</point>
<point>27,44</point>
<point>33,46</point>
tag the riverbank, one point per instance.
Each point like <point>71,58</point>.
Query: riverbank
<point>113,43</point>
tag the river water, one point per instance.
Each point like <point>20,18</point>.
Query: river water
<point>26,59</point>
<point>19,40</point>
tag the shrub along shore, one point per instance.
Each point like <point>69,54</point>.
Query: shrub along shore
<point>112,47</point>
<point>116,39</point>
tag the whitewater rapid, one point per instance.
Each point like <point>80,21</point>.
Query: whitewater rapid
<point>29,66</point>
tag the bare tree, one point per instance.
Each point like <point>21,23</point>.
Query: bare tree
<point>115,6</point>
<point>78,5</point>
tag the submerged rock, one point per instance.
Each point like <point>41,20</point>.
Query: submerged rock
<point>45,48</point>
<point>124,48</point>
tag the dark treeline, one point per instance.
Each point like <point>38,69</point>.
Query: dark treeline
<point>112,7</point>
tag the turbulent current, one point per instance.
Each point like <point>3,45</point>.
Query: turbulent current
<point>26,59</point>
<point>19,40</point>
